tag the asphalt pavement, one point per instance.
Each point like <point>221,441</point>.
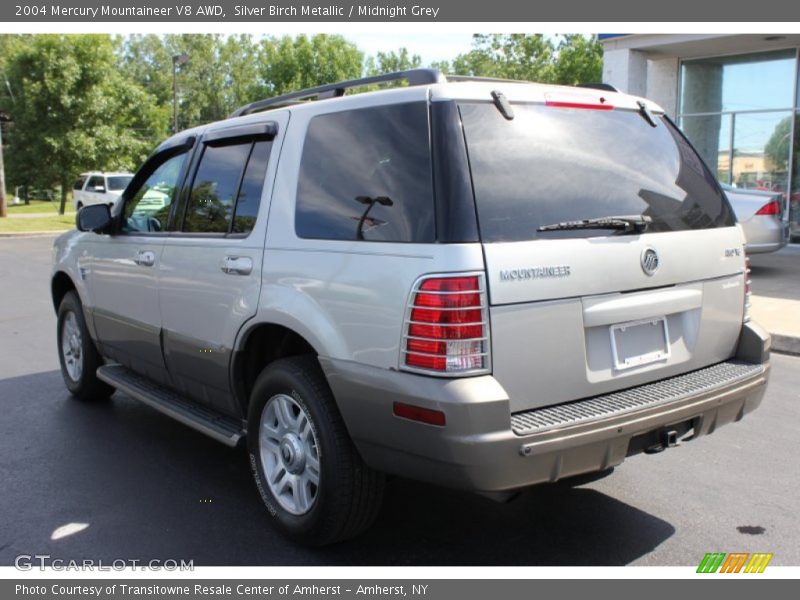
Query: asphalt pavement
<point>146,487</point>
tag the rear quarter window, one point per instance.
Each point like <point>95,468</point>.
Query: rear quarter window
<point>366,175</point>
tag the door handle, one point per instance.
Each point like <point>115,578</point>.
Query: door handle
<point>145,258</point>
<point>237,265</point>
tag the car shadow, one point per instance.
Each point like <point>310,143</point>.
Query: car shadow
<point>142,486</point>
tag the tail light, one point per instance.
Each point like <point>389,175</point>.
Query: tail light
<point>770,208</point>
<point>446,330</point>
<point>747,292</point>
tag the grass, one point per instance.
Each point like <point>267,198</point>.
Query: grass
<point>36,207</point>
<point>53,222</point>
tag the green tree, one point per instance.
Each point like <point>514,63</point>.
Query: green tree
<point>146,60</point>
<point>389,62</point>
<point>573,59</point>
<point>509,56</point>
<point>73,111</point>
<point>289,64</point>
<point>777,148</point>
<point>145,65</point>
<point>241,56</point>
<point>220,75</point>
<point>579,59</point>
<point>201,81</point>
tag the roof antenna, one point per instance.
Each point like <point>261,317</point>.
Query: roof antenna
<point>502,104</point>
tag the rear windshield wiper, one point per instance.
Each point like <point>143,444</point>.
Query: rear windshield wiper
<point>627,224</point>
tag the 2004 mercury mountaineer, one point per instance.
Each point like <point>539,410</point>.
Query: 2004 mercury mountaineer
<point>481,284</point>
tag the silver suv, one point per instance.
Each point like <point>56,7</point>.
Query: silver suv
<point>481,284</point>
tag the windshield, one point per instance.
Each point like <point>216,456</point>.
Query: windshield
<point>550,165</point>
<point>119,182</point>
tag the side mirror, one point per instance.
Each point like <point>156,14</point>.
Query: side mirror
<point>99,189</point>
<point>95,218</point>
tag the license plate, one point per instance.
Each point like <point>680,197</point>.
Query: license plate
<point>639,343</point>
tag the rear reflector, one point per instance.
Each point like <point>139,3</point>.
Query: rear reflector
<point>417,413</point>
<point>446,329</point>
<point>771,208</point>
<point>586,101</point>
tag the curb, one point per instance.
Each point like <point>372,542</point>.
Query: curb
<point>785,344</point>
<point>23,234</point>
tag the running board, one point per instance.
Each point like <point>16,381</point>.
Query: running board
<point>220,427</point>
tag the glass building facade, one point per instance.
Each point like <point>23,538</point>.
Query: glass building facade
<point>742,112</point>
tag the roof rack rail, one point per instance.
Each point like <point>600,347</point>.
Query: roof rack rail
<point>479,79</point>
<point>335,90</point>
<point>607,87</point>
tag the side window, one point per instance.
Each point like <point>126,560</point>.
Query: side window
<point>249,198</point>
<point>226,191</point>
<point>96,184</point>
<point>147,209</point>
<point>215,187</point>
<point>78,185</point>
<point>366,175</point>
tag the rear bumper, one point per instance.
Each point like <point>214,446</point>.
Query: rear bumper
<point>764,248</point>
<point>477,449</point>
<point>765,234</point>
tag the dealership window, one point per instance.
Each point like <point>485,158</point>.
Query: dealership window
<point>764,80</point>
<point>740,113</point>
<point>794,197</point>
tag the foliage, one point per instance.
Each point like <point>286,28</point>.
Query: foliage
<point>72,109</point>
<point>389,62</point>
<point>573,59</point>
<point>777,147</point>
<point>579,59</point>
<point>289,64</point>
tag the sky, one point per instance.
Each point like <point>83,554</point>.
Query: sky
<point>442,46</point>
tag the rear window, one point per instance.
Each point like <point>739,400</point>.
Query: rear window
<point>550,164</point>
<point>366,175</point>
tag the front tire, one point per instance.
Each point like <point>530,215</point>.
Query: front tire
<point>310,476</point>
<point>77,353</point>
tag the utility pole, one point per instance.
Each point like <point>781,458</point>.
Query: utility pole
<point>3,210</point>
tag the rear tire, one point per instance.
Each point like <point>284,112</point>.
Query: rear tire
<point>310,476</point>
<point>77,353</point>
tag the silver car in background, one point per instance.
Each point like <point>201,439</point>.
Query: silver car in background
<point>761,216</point>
